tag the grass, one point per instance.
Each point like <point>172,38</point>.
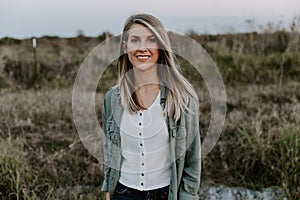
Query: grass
<point>41,156</point>
<point>40,149</point>
<point>260,144</point>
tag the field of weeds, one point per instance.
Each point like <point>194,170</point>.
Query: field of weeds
<point>41,154</point>
<point>42,157</point>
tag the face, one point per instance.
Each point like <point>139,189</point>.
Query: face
<point>141,47</point>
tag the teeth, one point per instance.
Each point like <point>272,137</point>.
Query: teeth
<point>143,56</point>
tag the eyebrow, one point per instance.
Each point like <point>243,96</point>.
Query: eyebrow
<point>135,36</point>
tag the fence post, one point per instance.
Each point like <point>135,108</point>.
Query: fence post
<point>34,69</point>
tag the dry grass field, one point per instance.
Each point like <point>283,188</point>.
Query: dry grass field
<point>42,157</point>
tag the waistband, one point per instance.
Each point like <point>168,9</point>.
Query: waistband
<point>160,193</point>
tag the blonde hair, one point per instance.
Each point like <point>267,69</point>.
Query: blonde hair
<point>178,89</point>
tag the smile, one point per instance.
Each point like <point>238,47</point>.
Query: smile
<point>143,58</point>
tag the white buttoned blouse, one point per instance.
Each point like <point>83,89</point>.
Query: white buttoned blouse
<point>145,149</point>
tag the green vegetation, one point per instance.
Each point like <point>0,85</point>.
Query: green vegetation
<point>40,153</point>
<point>41,156</point>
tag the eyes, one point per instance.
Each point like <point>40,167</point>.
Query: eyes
<point>152,40</point>
<point>135,40</point>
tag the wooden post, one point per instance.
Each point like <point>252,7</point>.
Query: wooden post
<point>33,71</point>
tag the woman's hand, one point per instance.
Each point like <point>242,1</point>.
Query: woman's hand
<point>107,196</point>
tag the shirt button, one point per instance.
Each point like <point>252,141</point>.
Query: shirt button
<point>140,123</point>
<point>141,144</point>
<point>142,154</point>
<point>141,114</point>
<point>143,164</point>
<point>142,184</point>
<point>140,134</point>
<point>142,174</point>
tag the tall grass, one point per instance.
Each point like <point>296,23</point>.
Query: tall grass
<point>40,151</point>
<point>41,156</point>
<point>18,176</point>
<point>259,146</point>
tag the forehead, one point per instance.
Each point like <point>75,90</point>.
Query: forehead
<point>139,30</point>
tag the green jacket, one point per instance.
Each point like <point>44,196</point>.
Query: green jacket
<point>184,138</point>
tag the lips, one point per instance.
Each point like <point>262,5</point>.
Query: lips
<point>143,58</point>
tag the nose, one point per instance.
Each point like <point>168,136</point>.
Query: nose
<point>142,47</point>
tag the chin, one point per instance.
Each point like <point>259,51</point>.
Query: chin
<point>144,67</point>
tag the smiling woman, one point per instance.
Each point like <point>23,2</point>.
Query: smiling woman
<point>150,120</point>
<point>141,47</point>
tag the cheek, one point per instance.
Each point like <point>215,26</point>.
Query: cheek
<point>155,53</point>
<point>131,57</point>
<point>130,49</point>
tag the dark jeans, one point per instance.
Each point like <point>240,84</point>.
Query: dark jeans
<point>123,192</point>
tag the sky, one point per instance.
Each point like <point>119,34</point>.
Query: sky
<point>66,18</point>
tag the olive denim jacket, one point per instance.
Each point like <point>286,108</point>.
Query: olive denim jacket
<point>184,141</point>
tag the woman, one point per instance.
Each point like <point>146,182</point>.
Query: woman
<point>150,120</point>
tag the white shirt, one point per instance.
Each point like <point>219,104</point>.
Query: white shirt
<point>145,149</point>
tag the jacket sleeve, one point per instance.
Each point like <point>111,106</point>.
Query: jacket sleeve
<point>105,184</point>
<point>190,183</point>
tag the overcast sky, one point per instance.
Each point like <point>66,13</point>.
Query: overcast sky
<point>27,18</point>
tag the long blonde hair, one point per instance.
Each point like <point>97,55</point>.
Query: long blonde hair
<point>178,89</point>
